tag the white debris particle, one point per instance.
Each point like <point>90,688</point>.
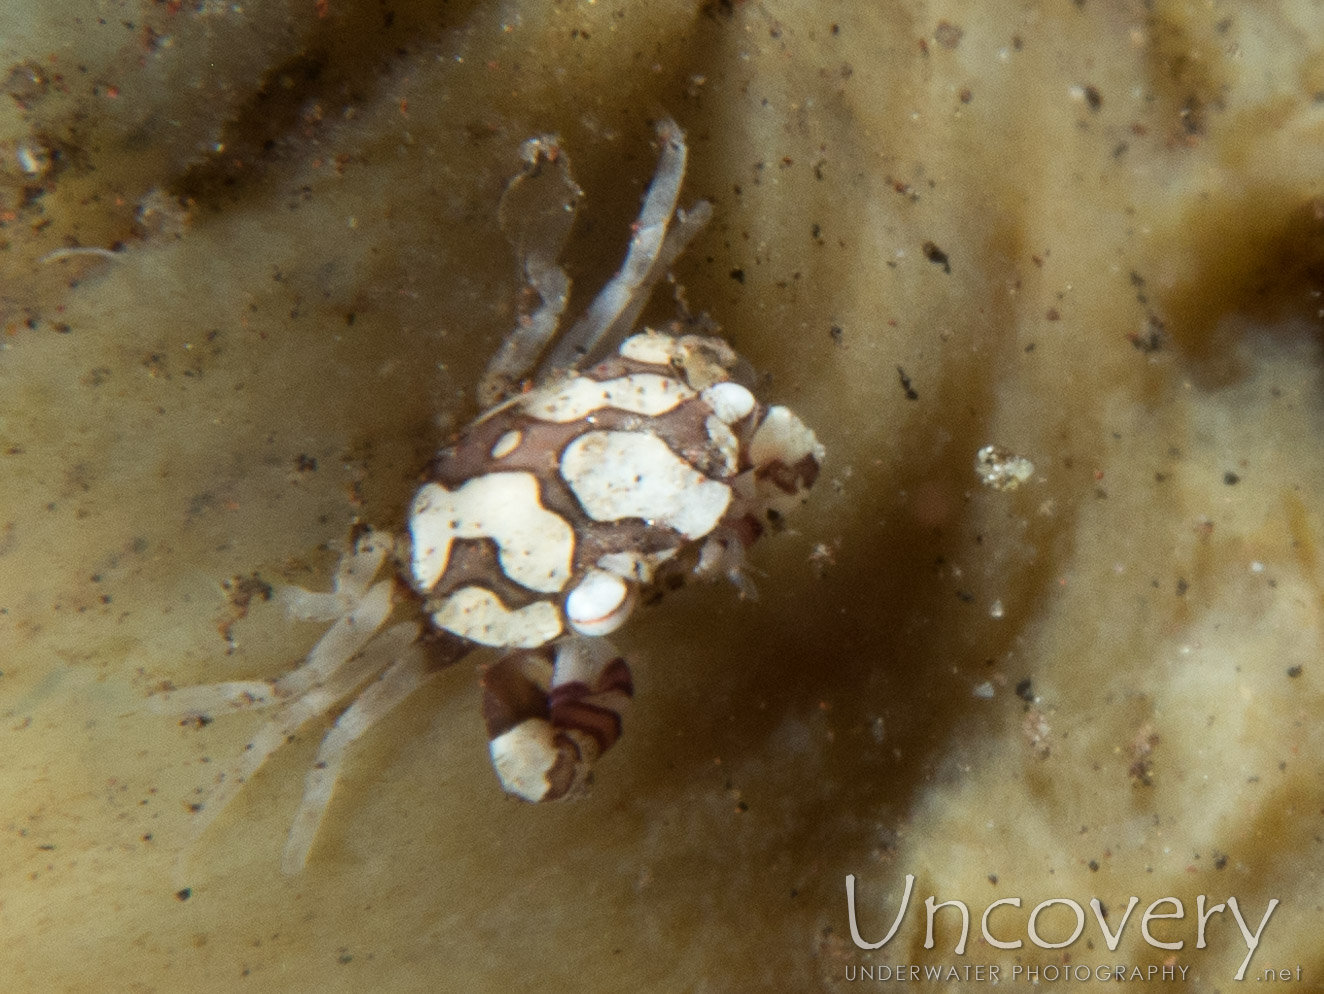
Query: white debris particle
<point>995,609</point>
<point>1001,469</point>
<point>633,565</point>
<point>33,160</point>
<point>984,691</point>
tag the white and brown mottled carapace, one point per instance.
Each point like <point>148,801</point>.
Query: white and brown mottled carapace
<point>543,524</point>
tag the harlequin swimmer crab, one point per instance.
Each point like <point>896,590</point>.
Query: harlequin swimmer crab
<point>541,524</point>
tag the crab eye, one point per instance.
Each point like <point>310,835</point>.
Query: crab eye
<point>600,604</point>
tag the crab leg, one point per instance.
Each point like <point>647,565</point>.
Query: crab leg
<point>345,638</point>
<point>354,575</point>
<point>537,209</point>
<point>333,650</point>
<point>687,225</point>
<point>351,667</point>
<point>408,670</point>
<point>640,270</point>
<point>521,349</point>
<point>358,619</point>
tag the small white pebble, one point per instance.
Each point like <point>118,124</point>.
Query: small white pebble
<point>995,609</point>
<point>984,691</point>
<point>33,160</point>
<point>1001,469</point>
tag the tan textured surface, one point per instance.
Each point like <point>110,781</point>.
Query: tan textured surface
<point>1093,173</point>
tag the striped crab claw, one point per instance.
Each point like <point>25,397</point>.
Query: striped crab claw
<point>551,712</point>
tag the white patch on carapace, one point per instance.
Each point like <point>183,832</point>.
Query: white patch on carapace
<point>523,758</point>
<point>625,474</point>
<point>782,437</point>
<point>648,394</point>
<point>705,361</point>
<point>723,441</point>
<point>730,401</point>
<point>600,604</point>
<point>535,546</point>
<point>636,566</point>
<point>650,347</point>
<point>477,614</point>
<point>507,444</point>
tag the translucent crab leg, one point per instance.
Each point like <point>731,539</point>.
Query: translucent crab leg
<point>339,659</point>
<point>537,211</point>
<point>346,637</point>
<point>233,695</point>
<point>687,225</point>
<point>520,351</point>
<point>354,574</point>
<point>406,673</point>
<point>637,273</point>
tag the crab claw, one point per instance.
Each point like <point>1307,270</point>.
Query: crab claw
<point>551,712</point>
